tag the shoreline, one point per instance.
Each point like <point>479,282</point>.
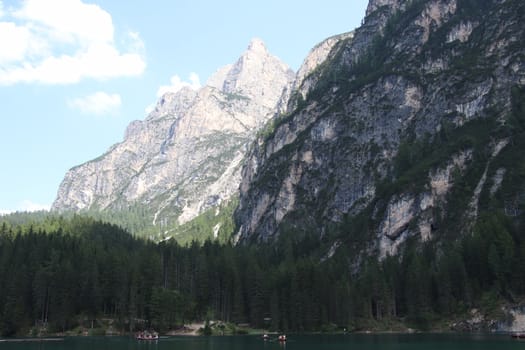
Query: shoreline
<point>26,340</point>
<point>190,330</point>
<point>194,333</point>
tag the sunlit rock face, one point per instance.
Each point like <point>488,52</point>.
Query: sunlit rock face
<point>186,155</point>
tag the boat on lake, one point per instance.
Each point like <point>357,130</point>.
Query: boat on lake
<point>518,335</point>
<point>147,335</point>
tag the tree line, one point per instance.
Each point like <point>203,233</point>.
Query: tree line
<point>82,269</point>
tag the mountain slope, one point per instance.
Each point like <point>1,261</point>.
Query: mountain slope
<point>399,134</point>
<point>185,157</point>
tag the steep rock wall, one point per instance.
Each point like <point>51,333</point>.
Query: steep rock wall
<point>412,74</point>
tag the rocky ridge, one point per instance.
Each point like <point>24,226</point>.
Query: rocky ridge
<point>185,157</point>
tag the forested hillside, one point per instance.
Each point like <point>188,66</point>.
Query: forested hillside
<point>79,271</point>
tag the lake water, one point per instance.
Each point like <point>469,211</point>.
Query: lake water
<point>295,342</point>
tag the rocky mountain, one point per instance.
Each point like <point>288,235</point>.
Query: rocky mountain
<point>409,130</point>
<point>186,156</point>
<point>391,168</point>
<point>403,129</point>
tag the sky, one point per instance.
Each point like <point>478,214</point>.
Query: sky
<point>75,73</point>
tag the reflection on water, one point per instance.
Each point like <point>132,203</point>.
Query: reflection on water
<point>294,342</point>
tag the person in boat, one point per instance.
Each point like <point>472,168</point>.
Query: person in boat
<point>146,335</point>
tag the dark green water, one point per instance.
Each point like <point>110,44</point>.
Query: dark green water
<point>302,342</point>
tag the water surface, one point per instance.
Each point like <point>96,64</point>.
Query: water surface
<point>295,342</point>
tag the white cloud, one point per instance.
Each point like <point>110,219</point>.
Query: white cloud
<point>135,42</point>
<point>26,206</point>
<point>97,103</point>
<point>63,42</point>
<point>177,84</point>
<point>15,38</point>
<point>1,15</point>
<point>68,20</point>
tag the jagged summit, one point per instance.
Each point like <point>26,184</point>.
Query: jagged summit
<point>254,75</point>
<point>185,157</point>
<point>257,45</point>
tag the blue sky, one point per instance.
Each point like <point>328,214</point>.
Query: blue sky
<point>74,73</point>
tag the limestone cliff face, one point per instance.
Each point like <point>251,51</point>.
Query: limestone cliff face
<point>380,132</point>
<point>185,157</point>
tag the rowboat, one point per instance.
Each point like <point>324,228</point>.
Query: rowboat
<point>146,335</point>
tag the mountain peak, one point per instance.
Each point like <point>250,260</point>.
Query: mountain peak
<point>256,73</point>
<point>257,45</point>
<point>185,157</point>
